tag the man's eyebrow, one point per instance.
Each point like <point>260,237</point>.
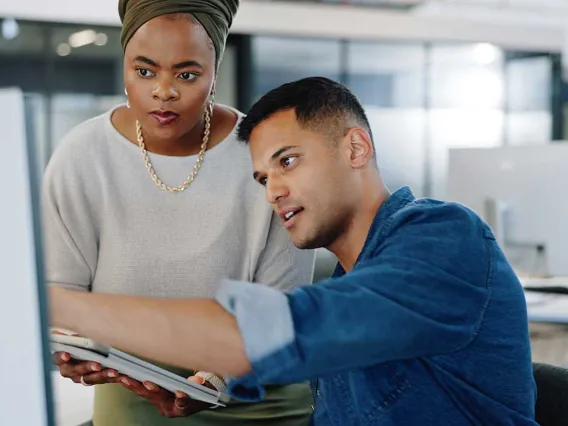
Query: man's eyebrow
<point>275,156</point>
<point>281,151</point>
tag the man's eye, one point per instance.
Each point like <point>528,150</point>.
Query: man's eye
<point>286,161</point>
<point>144,72</point>
<point>263,181</point>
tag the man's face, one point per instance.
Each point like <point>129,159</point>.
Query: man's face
<point>306,178</point>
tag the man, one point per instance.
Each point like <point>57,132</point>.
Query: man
<point>423,323</point>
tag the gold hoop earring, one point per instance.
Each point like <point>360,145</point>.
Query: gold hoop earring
<point>127,101</point>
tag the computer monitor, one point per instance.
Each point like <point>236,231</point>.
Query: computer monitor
<point>521,192</point>
<point>25,395</point>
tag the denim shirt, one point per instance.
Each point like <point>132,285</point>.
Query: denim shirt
<point>429,328</point>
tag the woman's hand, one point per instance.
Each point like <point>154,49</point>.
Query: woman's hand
<point>86,373</point>
<point>167,403</point>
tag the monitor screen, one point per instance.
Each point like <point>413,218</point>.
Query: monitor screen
<point>25,397</point>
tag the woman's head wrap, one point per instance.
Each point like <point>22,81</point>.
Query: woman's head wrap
<point>216,16</point>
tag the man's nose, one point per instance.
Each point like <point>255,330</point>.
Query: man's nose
<point>276,190</point>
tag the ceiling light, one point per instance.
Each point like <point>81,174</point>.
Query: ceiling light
<point>485,53</point>
<point>82,38</point>
<point>101,39</point>
<point>63,49</point>
<point>10,29</point>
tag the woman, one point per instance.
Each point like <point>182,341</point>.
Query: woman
<point>156,198</point>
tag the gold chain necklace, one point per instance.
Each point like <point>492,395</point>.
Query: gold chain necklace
<point>196,167</point>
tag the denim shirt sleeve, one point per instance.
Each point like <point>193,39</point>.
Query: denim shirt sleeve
<point>424,294</point>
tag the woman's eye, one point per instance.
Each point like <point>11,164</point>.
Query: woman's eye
<point>286,161</point>
<point>262,181</point>
<point>143,72</point>
<point>187,76</point>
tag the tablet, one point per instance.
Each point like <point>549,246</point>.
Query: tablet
<point>85,349</point>
<point>80,342</point>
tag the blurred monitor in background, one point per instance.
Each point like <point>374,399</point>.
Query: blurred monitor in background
<point>520,192</point>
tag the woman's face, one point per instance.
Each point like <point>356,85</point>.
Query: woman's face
<point>169,71</point>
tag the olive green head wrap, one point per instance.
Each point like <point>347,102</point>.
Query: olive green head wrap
<point>216,16</point>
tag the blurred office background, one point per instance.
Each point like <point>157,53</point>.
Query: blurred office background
<point>432,74</point>
<point>422,96</point>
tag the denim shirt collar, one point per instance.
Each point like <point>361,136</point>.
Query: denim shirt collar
<point>397,200</point>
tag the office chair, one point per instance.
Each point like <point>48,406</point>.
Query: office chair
<point>552,400</point>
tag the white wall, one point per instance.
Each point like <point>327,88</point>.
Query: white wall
<point>319,20</point>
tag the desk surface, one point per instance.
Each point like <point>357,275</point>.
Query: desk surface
<point>547,307</point>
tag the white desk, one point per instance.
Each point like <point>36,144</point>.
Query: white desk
<point>552,308</point>
<point>547,307</point>
<point>548,317</point>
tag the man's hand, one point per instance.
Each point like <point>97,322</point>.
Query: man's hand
<point>167,403</point>
<point>86,373</point>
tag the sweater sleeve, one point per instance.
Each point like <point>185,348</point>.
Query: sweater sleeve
<point>68,225</point>
<point>281,265</point>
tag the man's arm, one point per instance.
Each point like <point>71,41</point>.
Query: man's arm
<point>425,295</point>
<point>198,334</point>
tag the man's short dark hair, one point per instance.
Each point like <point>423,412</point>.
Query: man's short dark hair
<point>320,104</point>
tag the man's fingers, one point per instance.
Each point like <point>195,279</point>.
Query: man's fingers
<point>201,381</point>
<point>197,379</point>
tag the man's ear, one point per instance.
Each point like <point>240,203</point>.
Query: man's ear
<point>360,147</point>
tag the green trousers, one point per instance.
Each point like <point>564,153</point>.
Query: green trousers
<point>289,405</point>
